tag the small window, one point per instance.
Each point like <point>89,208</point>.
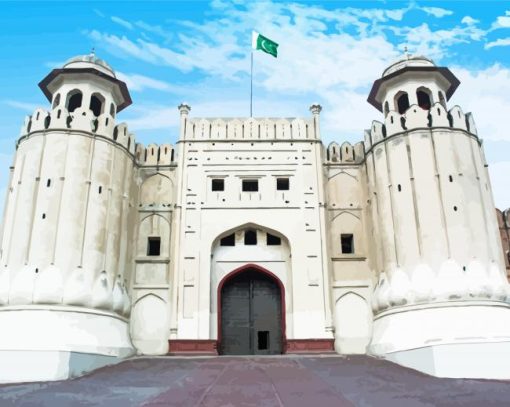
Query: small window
<point>229,240</point>
<point>250,238</point>
<point>402,103</point>
<point>347,243</point>
<point>250,185</point>
<point>282,184</point>
<point>153,246</point>
<point>96,104</point>
<point>273,240</point>
<point>48,183</point>
<point>74,99</point>
<point>112,110</point>
<point>423,99</point>
<point>100,190</point>
<point>218,185</point>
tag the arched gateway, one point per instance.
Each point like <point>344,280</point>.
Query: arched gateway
<point>251,320</point>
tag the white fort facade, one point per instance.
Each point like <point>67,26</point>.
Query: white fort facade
<point>250,236</point>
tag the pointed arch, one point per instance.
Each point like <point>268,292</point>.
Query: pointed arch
<point>148,295</point>
<point>156,189</point>
<point>74,100</point>
<point>345,212</point>
<point>265,272</point>
<point>149,229</point>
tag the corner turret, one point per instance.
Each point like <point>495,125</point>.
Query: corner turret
<point>87,83</point>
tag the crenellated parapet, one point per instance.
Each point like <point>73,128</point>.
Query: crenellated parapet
<point>423,285</point>
<point>345,153</point>
<point>80,119</point>
<point>418,118</point>
<point>156,155</point>
<point>250,129</point>
<point>32,286</point>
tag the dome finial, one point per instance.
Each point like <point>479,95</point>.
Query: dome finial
<point>93,52</point>
<point>406,52</point>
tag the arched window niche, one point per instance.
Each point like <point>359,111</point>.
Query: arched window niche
<point>386,108</point>
<point>97,104</point>
<point>423,95</point>
<point>402,102</point>
<point>442,99</point>
<point>112,110</point>
<point>74,100</point>
<point>56,100</point>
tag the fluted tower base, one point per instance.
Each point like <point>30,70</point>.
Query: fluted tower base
<point>464,339</point>
<point>42,343</point>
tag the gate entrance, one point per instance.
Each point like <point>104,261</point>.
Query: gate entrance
<point>251,315</point>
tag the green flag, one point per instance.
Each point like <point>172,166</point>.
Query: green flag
<point>258,41</point>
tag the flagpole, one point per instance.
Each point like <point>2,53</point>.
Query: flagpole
<point>251,85</point>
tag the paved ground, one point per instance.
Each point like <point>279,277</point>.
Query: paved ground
<point>258,381</point>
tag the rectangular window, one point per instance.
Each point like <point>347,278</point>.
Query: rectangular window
<point>282,184</point>
<point>250,237</point>
<point>218,184</point>
<point>250,185</point>
<point>347,243</point>
<point>229,240</point>
<point>273,240</point>
<point>153,246</point>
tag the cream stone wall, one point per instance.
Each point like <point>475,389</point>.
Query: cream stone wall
<point>257,149</point>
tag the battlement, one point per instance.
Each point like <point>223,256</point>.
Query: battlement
<point>414,118</point>
<point>345,154</point>
<point>250,129</point>
<point>82,120</point>
<point>155,155</point>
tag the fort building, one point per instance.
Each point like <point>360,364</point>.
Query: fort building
<point>250,236</point>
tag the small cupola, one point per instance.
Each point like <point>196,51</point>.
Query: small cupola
<point>86,82</point>
<point>413,80</point>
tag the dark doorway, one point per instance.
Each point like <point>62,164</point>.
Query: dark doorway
<point>251,315</point>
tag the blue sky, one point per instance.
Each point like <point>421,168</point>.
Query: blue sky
<point>330,52</point>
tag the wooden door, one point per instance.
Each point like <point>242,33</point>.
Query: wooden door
<point>251,321</point>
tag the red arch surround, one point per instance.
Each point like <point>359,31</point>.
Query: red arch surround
<point>273,277</point>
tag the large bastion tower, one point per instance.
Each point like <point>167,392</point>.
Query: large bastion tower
<point>65,249</point>
<point>439,302</point>
<point>250,236</point>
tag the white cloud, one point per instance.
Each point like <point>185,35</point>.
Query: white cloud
<point>123,23</point>
<point>29,107</point>
<point>436,11</point>
<point>435,44</point>
<point>469,20</point>
<point>502,21</point>
<point>152,118</point>
<point>136,82</point>
<point>499,173</point>
<point>154,29</point>
<point>500,42</point>
<point>484,93</point>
